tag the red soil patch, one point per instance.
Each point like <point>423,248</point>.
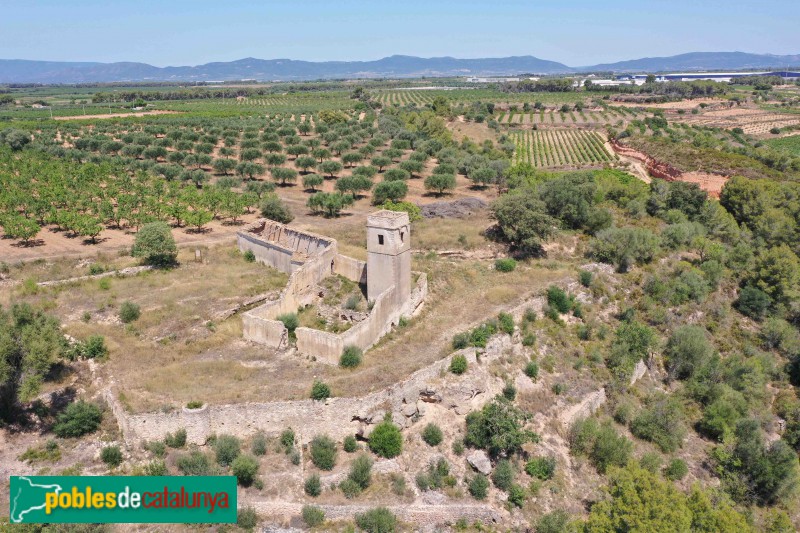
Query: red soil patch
<point>711,183</point>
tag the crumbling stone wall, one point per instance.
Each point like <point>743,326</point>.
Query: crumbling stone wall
<point>336,417</point>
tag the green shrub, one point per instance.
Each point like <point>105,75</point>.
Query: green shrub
<point>506,323</point>
<point>532,370</point>
<point>398,483</point>
<point>458,447</point>
<point>529,339</point>
<point>351,357</point>
<point>458,364</point>
<point>111,455</point>
<point>290,321</point>
<point>650,462</point>
<point>155,245</point>
<point>423,481</point>
<point>479,336</point>
<point>249,256</point>
<point>582,436</point>
<point>350,444</point>
<point>604,446</point>
<point>610,449</point>
<point>662,422</point>
<point>541,468</point>
<point>323,452</point>
<point>313,515</point>
<point>585,278</point>
<point>245,468</point>
<point>687,350</point>
<point>155,468</point>
<point>386,439</point>
<point>498,428</point>
<point>478,487</point>
<point>226,449</point>
<point>460,340</point>
<point>129,312</point>
<point>287,439</point>
<point>378,520</point>
<point>273,208</point>
<point>503,475</point>
<point>177,440</point>
<point>558,299</point>
<point>79,418</point>
<point>516,495</point>
<point>157,448</point>
<point>676,470</point>
<point>432,435</point>
<point>625,247</point>
<point>436,476</point>
<point>361,471</point>
<point>194,404</point>
<point>247,518</point>
<point>195,464</point>
<point>93,348</point>
<point>553,522</point>
<point>349,488</point>
<point>509,391</point>
<point>753,302</point>
<point>320,391</point>
<point>313,486</point>
<point>506,264</point>
<point>259,444</point>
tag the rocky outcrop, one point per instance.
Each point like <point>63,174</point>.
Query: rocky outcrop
<point>480,462</point>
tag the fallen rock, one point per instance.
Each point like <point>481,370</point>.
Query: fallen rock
<point>409,409</point>
<point>480,462</point>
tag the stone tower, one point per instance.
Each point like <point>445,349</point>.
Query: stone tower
<point>389,254</point>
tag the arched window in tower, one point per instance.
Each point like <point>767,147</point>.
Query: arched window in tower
<point>380,239</point>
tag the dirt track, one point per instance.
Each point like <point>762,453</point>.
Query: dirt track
<point>119,115</point>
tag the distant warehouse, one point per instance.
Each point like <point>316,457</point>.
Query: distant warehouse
<point>787,75</point>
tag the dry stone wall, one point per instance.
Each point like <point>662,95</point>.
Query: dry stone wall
<point>336,417</point>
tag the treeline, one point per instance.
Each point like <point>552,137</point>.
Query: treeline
<point>180,94</point>
<point>545,85</point>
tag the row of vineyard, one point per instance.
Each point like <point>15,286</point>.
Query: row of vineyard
<point>608,115</point>
<point>555,148</point>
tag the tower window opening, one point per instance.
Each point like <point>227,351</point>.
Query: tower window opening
<point>402,235</point>
<point>380,239</point>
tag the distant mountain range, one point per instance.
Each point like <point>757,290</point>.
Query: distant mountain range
<point>25,71</point>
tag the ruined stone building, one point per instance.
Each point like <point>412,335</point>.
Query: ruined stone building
<point>309,258</point>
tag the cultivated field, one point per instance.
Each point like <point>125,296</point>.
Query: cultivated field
<point>752,121</point>
<point>561,148</point>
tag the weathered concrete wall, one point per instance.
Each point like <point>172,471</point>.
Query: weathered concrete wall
<point>279,246</point>
<point>263,330</point>
<point>292,256</point>
<point>382,317</point>
<point>352,269</point>
<point>327,347</point>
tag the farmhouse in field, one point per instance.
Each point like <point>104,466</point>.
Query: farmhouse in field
<point>309,259</point>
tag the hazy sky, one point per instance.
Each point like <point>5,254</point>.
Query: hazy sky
<point>575,32</point>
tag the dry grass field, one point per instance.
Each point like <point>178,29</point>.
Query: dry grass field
<point>178,352</point>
